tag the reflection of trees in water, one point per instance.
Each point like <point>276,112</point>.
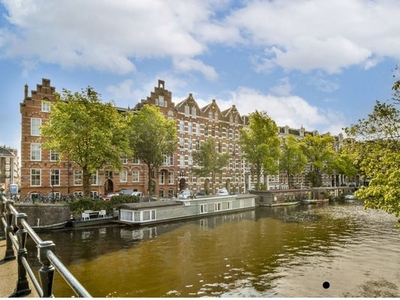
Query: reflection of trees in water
<point>379,288</point>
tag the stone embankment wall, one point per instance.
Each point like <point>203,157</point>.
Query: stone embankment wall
<point>44,214</point>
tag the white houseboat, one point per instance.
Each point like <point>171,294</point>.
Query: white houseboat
<point>143,213</point>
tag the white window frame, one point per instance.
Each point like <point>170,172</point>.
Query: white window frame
<point>78,177</point>
<point>35,124</point>
<point>123,176</point>
<point>36,152</point>
<point>37,173</point>
<point>135,176</point>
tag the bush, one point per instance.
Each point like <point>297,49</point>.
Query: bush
<point>79,206</point>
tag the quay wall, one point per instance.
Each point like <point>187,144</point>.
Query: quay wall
<point>44,214</point>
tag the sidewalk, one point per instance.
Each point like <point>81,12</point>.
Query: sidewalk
<point>9,276</point>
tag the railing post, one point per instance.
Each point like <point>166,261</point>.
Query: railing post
<point>46,272</point>
<point>2,215</point>
<point>22,283</point>
<point>9,218</point>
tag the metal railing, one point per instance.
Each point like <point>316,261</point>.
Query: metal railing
<point>16,238</point>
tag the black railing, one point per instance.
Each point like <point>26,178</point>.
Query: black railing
<point>15,230</point>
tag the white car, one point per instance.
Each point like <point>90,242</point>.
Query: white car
<point>222,192</point>
<point>185,194</point>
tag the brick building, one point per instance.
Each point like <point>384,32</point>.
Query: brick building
<point>41,173</point>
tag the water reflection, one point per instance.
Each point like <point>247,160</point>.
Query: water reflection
<point>279,252</point>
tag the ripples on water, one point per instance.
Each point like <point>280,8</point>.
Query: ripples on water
<point>269,252</point>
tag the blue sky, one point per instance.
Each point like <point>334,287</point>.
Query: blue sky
<point>313,63</point>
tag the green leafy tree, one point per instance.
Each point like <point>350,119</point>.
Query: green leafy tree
<point>86,131</point>
<point>293,160</point>
<point>320,154</point>
<point>209,161</point>
<point>374,145</point>
<point>153,138</point>
<point>260,144</point>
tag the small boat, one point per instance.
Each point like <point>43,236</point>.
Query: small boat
<point>50,226</point>
<point>77,223</point>
<point>284,203</point>
<point>309,201</point>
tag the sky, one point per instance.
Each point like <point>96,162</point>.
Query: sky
<point>312,63</point>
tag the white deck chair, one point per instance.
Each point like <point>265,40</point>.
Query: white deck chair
<point>102,213</point>
<point>85,216</point>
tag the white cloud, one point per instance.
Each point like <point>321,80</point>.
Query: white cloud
<point>113,35</point>
<point>284,88</point>
<point>290,110</point>
<point>188,64</point>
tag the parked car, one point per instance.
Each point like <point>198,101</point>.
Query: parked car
<point>222,192</point>
<point>125,192</point>
<point>137,194</point>
<point>109,195</point>
<point>185,194</point>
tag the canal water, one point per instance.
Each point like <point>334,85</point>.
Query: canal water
<point>303,251</point>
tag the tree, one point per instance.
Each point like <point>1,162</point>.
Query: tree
<point>260,144</point>
<point>374,144</point>
<point>209,162</point>
<point>320,154</point>
<point>90,133</point>
<point>153,138</point>
<point>292,160</point>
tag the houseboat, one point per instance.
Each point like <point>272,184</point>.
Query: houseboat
<point>143,213</point>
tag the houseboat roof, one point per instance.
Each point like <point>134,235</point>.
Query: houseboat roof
<point>152,204</point>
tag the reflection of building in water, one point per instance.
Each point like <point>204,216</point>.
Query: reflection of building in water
<point>139,234</point>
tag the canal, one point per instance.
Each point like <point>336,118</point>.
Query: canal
<point>269,252</point>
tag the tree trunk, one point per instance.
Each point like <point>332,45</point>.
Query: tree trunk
<point>86,182</point>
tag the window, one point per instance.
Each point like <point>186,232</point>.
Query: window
<point>216,116</point>
<point>54,177</point>
<point>203,208</point>
<point>36,177</point>
<point>161,177</point>
<point>135,161</point>
<point>94,179</point>
<point>54,155</point>
<point>189,127</point>
<point>35,124</point>
<point>135,176</point>
<point>36,152</point>
<point>77,177</point>
<point>45,106</point>
<point>123,176</point>
<point>169,160</point>
<point>206,129</point>
<point>124,160</point>
<point>181,143</point>
<point>171,177</point>
<point>210,115</point>
<point>181,126</point>
<point>190,160</point>
<point>182,161</point>
<point>197,129</point>
<point>217,206</point>
<point>194,111</point>
<point>187,109</point>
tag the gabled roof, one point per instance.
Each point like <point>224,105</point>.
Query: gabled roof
<point>5,152</point>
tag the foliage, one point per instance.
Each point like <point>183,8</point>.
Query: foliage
<point>320,154</point>
<point>374,145</point>
<point>86,203</point>
<point>260,144</point>
<point>88,132</point>
<point>292,160</point>
<point>153,137</point>
<point>209,161</point>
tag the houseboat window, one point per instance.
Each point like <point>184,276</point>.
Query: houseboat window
<point>203,208</point>
<point>126,215</point>
<point>136,216</point>
<point>217,206</point>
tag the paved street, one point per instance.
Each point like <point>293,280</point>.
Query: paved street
<point>9,276</point>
